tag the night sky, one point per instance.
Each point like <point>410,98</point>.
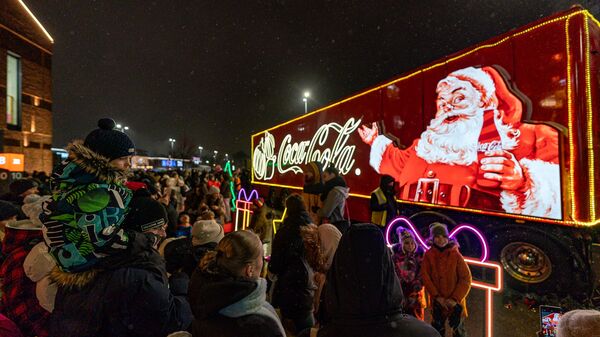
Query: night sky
<point>214,72</point>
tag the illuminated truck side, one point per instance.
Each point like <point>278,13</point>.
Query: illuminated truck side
<point>502,136</point>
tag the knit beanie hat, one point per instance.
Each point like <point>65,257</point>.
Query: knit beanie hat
<point>205,231</point>
<point>145,214</point>
<point>213,190</point>
<point>21,186</point>
<point>406,234</point>
<point>579,323</point>
<point>438,228</point>
<point>7,210</point>
<point>108,142</point>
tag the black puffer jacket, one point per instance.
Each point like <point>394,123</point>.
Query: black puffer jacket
<point>125,296</point>
<point>363,295</point>
<point>248,313</point>
<point>294,288</point>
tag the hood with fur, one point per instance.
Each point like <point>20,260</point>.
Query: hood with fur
<point>90,163</point>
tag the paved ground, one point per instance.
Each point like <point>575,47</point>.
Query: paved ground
<point>515,322</point>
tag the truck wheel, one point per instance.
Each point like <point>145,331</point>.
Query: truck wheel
<point>532,261</point>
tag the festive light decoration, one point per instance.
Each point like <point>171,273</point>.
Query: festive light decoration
<point>266,159</point>
<point>406,221</point>
<point>482,262</point>
<point>278,221</point>
<point>227,170</point>
<point>489,291</point>
<point>576,220</point>
<point>590,135</point>
<point>485,250</point>
<point>36,21</point>
<point>244,211</point>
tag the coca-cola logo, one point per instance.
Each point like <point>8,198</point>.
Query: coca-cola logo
<point>293,154</point>
<point>490,146</point>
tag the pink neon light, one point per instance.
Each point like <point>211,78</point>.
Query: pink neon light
<point>410,225</point>
<point>489,289</point>
<point>242,192</point>
<point>477,232</point>
<point>455,231</point>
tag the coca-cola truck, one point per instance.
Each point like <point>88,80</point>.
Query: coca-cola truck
<point>503,136</point>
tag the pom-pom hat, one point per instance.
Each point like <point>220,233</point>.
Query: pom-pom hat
<point>109,142</point>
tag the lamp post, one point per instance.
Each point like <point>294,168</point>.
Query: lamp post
<point>172,141</point>
<point>122,128</point>
<point>305,99</point>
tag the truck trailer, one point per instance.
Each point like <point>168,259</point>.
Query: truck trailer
<point>503,136</point>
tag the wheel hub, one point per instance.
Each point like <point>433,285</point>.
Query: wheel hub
<point>526,262</point>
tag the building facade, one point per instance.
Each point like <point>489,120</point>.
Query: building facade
<point>25,88</point>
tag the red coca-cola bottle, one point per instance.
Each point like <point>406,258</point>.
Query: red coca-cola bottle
<point>489,140</point>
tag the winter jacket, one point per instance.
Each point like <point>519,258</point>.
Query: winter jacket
<point>408,269</point>
<point>83,220</point>
<point>125,296</point>
<point>19,302</point>
<point>334,200</point>
<point>8,328</point>
<point>362,296</point>
<point>446,274</point>
<point>228,306</point>
<point>294,289</point>
<point>383,207</point>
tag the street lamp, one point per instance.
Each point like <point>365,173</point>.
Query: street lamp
<point>122,128</point>
<point>172,141</point>
<point>305,100</point>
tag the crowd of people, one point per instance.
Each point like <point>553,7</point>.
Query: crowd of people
<point>97,250</point>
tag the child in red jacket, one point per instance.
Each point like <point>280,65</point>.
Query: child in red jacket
<point>447,279</point>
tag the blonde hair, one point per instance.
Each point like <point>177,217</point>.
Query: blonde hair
<point>234,252</point>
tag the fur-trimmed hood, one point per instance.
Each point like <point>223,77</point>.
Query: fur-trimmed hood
<point>95,164</point>
<point>70,280</point>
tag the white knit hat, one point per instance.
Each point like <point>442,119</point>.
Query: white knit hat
<point>205,231</point>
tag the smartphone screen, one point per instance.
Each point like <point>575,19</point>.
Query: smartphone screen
<point>549,317</point>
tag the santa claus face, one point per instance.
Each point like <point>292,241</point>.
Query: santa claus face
<point>457,100</point>
<point>451,136</point>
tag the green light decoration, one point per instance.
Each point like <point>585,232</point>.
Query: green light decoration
<point>227,170</point>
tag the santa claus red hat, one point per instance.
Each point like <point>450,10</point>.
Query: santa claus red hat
<point>480,79</point>
<point>494,90</point>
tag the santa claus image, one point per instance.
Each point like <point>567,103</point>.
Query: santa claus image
<point>476,151</point>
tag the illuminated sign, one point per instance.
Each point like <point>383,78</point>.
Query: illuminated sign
<point>14,162</point>
<point>476,152</point>
<point>293,154</point>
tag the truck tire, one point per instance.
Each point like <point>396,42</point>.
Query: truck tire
<point>533,262</point>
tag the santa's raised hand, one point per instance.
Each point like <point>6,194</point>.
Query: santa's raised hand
<point>502,166</point>
<point>367,134</point>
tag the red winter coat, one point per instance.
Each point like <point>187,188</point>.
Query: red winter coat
<point>446,274</point>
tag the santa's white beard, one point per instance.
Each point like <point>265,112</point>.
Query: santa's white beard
<point>451,143</point>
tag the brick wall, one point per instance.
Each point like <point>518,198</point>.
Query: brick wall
<point>34,139</point>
